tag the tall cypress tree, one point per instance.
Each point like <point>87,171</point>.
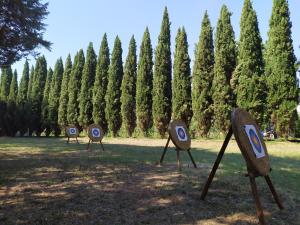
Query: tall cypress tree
<point>100,85</point>
<point>22,103</point>
<point>29,102</point>
<point>2,108</point>
<point>280,70</point>
<point>250,86</point>
<point>162,86</point>
<point>86,92</point>
<point>203,75</point>
<point>113,94</point>
<point>13,88</point>
<point>144,85</point>
<point>12,110</point>
<point>74,88</point>
<point>128,88</point>
<point>63,98</point>
<point>181,89</point>
<point>6,77</point>
<point>54,96</point>
<point>45,103</point>
<point>225,61</point>
<point>31,78</point>
<point>36,98</point>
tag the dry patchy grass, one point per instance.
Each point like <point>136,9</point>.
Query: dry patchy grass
<point>45,181</point>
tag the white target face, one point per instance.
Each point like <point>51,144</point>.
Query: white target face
<point>255,142</point>
<point>96,132</point>
<point>72,131</point>
<point>181,133</point>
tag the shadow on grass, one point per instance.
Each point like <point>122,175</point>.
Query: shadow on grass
<point>65,184</point>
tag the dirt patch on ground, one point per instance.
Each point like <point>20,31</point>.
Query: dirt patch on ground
<point>74,188</point>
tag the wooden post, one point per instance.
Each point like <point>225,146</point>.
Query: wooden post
<point>276,198</point>
<point>259,210</point>
<point>216,165</point>
<point>88,147</point>
<point>189,152</point>
<point>101,145</point>
<point>178,159</point>
<point>164,152</point>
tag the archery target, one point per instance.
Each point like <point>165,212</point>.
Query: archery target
<point>72,130</point>
<point>96,132</point>
<point>181,134</point>
<point>255,142</point>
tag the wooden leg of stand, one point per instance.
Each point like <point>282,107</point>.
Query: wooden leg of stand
<point>216,165</point>
<point>101,145</point>
<point>164,152</point>
<point>276,198</point>
<point>189,152</point>
<point>77,140</point>
<point>68,140</point>
<point>259,210</point>
<point>178,159</point>
<point>88,146</point>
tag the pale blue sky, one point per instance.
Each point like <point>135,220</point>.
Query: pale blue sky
<point>72,24</point>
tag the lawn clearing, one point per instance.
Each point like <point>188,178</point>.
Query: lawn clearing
<point>46,181</point>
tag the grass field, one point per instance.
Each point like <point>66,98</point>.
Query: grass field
<point>46,181</point>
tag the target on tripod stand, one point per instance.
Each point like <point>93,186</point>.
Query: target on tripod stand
<point>179,134</point>
<point>71,131</point>
<point>95,132</point>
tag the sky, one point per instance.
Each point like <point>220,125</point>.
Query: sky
<point>72,24</point>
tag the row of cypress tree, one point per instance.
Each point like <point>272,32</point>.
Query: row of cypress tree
<point>143,94</point>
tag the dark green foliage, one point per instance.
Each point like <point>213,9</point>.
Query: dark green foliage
<point>74,88</point>
<point>36,97</point>
<point>113,94</point>
<point>100,85</point>
<point>225,61</point>
<point>45,103</point>
<point>6,78</point>
<point>31,78</point>
<point>63,98</point>
<point>86,92</point>
<point>22,29</point>
<point>54,96</point>
<point>2,119</point>
<point>162,86</point>
<point>128,88</point>
<point>11,116</point>
<point>248,82</point>
<point>23,89</point>
<point>181,86</point>
<point>13,88</point>
<point>203,75</point>
<point>280,70</point>
<point>297,127</point>
<point>144,85</point>
<point>29,102</point>
<point>22,102</point>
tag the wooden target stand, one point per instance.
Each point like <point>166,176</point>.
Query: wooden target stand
<point>255,153</point>
<point>72,132</point>
<point>95,134</point>
<point>179,135</point>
